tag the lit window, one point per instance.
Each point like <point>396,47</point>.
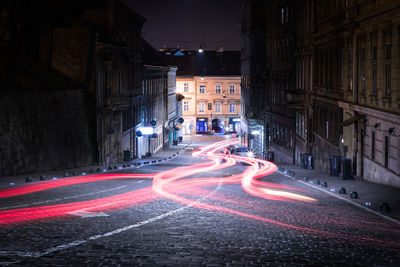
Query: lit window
<point>202,89</point>
<point>217,107</point>
<point>231,107</point>
<point>186,87</point>
<point>231,89</point>
<point>218,89</point>
<point>185,105</point>
<point>201,107</point>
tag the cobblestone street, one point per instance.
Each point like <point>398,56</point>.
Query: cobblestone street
<point>233,228</point>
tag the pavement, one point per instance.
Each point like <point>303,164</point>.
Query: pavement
<point>160,156</point>
<point>370,196</point>
<point>379,199</point>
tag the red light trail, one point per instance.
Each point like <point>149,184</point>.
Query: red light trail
<point>178,184</point>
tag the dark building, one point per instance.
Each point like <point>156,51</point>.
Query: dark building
<point>331,82</point>
<point>76,66</point>
<point>255,101</point>
<point>281,36</point>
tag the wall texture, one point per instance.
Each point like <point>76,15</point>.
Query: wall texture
<point>43,131</point>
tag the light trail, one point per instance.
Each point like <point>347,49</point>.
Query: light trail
<point>178,185</point>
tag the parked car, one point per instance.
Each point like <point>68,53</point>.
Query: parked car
<point>242,151</point>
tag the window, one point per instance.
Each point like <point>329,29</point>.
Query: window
<point>350,69</point>
<point>387,69</point>
<point>120,85</point>
<point>283,15</point>
<point>185,105</point>
<point>231,89</point>
<point>362,70</point>
<point>186,87</point>
<point>218,107</point>
<point>231,107</point>
<point>209,106</point>
<point>201,107</point>
<point>374,70</point>
<point>202,89</point>
<point>373,145</point>
<point>386,152</point>
<point>218,89</point>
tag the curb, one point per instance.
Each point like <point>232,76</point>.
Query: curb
<point>317,182</point>
<point>97,170</point>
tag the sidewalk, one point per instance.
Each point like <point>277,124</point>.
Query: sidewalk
<point>370,195</point>
<point>160,156</point>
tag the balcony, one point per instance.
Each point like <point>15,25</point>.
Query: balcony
<point>295,99</point>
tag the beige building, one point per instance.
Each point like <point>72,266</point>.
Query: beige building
<point>211,104</point>
<point>210,83</point>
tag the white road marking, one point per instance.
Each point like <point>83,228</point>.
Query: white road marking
<point>95,237</point>
<point>344,199</point>
<point>59,199</point>
<point>84,213</point>
<point>88,214</point>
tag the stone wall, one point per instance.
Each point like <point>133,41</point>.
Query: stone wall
<point>322,151</point>
<point>43,131</point>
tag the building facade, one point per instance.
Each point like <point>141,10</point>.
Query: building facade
<point>209,86</point>
<point>254,73</point>
<point>371,102</point>
<point>332,84</point>
<point>211,104</point>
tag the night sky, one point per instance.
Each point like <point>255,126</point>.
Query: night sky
<point>179,22</point>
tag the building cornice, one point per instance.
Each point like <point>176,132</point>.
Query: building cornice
<point>395,118</point>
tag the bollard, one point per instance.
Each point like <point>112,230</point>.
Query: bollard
<point>354,195</point>
<point>115,167</point>
<point>317,181</point>
<point>324,184</point>
<point>75,173</point>
<point>83,173</point>
<point>123,166</point>
<point>12,184</point>
<point>384,207</point>
<point>66,174</point>
<point>305,178</point>
<point>42,178</point>
<point>342,190</point>
<point>28,179</point>
<point>110,168</point>
<point>98,170</point>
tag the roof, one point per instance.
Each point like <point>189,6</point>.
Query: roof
<point>151,56</point>
<point>208,63</point>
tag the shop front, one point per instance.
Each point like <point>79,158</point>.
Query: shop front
<point>202,125</point>
<point>234,125</point>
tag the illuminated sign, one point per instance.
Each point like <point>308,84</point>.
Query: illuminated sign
<point>255,132</point>
<point>201,119</point>
<point>236,119</point>
<point>146,130</point>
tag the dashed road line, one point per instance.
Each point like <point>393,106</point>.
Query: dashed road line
<point>95,237</point>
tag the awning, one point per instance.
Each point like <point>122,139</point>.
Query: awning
<point>353,119</point>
